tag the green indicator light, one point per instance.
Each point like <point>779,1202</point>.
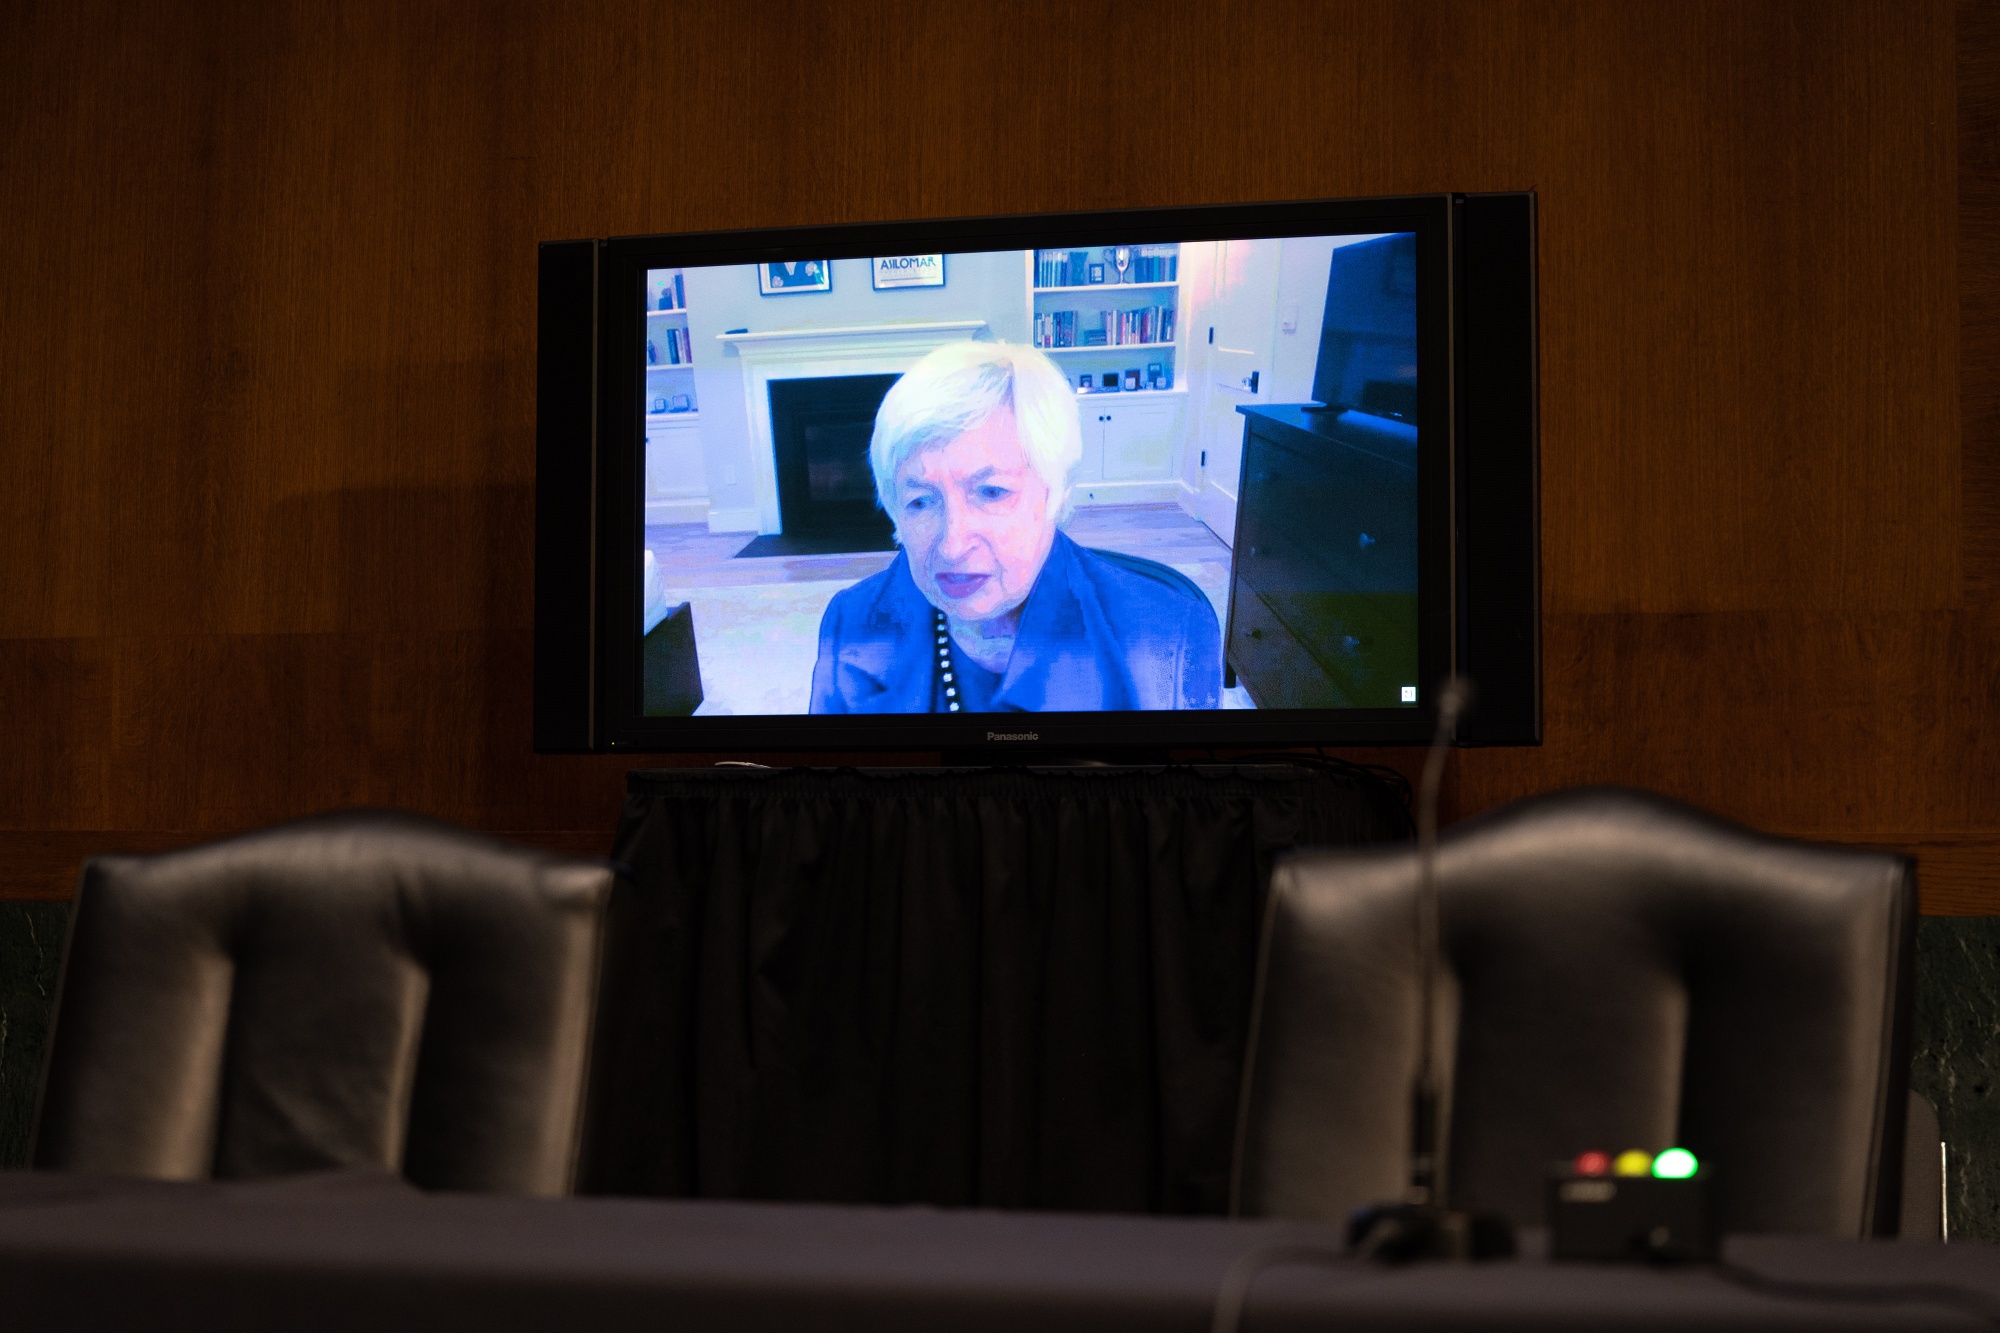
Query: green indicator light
<point>1675,1164</point>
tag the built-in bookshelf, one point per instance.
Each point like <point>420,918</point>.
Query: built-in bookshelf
<point>1109,311</point>
<point>1123,286</point>
<point>670,392</point>
<point>1104,347</point>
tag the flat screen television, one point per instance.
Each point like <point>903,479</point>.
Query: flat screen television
<point>1246,476</point>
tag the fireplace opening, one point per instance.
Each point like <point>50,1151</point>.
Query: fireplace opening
<point>820,430</point>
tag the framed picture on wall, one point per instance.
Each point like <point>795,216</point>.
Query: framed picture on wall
<point>893,271</point>
<point>790,279</point>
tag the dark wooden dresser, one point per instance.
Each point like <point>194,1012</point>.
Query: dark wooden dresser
<point>1323,590</point>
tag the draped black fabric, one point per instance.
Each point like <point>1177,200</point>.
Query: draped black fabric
<point>1013,988</point>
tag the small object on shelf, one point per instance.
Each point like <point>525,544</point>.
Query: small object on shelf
<point>1131,381</point>
<point>672,295</point>
<point>1093,338</point>
<point>652,353</point>
<point>1111,381</point>
<point>1096,274</point>
<point>659,404</point>
<point>1084,383</point>
<point>1121,256</point>
<point>1154,379</point>
<point>679,402</point>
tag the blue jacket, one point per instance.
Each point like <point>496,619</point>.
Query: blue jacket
<point>1099,632</point>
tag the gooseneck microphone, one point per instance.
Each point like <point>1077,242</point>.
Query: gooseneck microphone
<point>1452,700</point>
<point>1419,1226</point>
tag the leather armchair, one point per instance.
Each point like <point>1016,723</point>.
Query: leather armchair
<point>360,988</point>
<point>1621,971</point>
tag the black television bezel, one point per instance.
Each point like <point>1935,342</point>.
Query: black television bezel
<point>619,452</point>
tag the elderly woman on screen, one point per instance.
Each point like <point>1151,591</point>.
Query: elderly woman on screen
<point>988,606</point>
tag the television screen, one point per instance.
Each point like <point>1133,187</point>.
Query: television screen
<point>984,482</point>
<point>1097,475</point>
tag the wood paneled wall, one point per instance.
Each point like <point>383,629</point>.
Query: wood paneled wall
<point>267,359</point>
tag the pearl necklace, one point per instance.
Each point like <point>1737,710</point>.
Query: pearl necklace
<point>946,674</point>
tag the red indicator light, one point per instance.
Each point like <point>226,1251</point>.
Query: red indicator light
<point>1592,1164</point>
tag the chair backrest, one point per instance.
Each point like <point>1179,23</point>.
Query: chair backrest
<point>361,988</point>
<point>1621,972</point>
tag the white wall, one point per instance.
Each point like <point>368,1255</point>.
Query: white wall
<point>1304,263</point>
<point>990,286</point>
<point>1254,289</point>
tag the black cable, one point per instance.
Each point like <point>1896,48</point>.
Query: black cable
<point>1234,1293</point>
<point>1963,1299</point>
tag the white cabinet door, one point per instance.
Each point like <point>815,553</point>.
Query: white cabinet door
<point>1132,448</point>
<point>676,481</point>
<point>1139,440</point>
<point>1090,420</point>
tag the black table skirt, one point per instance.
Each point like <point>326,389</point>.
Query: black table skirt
<point>1015,988</point>
<point>367,1252</point>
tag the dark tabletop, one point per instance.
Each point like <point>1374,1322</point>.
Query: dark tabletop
<point>360,1250</point>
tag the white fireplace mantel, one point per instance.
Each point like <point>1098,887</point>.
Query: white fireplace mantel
<point>854,339</point>
<point>862,349</point>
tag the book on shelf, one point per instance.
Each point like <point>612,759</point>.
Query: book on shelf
<point>669,347</point>
<point>1156,266</point>
<point>673,294</point>
<point>1055,328</point>
<point>1071,268</point>
<point>1147,324</point>
<point>1062,268</point>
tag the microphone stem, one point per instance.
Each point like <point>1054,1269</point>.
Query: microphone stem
<point>1424,1095</point>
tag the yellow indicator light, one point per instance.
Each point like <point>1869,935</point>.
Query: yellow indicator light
<point>1633,1163</point>
<point>1675,1164</point>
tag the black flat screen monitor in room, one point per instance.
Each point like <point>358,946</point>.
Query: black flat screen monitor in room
<point>1253,475</point>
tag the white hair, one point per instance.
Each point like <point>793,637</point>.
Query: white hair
<point>958,386</point>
